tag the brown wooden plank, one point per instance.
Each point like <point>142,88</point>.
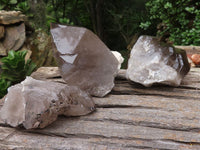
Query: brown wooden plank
<point>78,134</point>
<point>149,102</point>
<point>5,132</point>
<point>130,117</point>
<point>149,117</point>
<point>192,79</point>
<point>110,129</point>
<point>190,49</point>
<point>22,140</point>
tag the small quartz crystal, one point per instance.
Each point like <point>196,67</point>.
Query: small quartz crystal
<point>119,57</point>
<point>154,62</point>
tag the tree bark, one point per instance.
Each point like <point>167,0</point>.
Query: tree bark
<point>99,21</point>
<point>95,9</point>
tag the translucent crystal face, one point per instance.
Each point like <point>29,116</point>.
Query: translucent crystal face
<point>36,104</point>
<point>84,60</point>
<point>154,62</point>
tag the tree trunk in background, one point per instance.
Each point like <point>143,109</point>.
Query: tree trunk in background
<point>95,8</point>
<point>38,9</point>
<point>99,21</point>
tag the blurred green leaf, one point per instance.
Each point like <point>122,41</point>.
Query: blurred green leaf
<point>14,67</point>
<point>2,6</point>
<point>13,1</point>
<point>4,84</point>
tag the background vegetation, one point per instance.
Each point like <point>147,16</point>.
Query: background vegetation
<point>179,20</point>
<point>118,22</point>
<point>14,70</point>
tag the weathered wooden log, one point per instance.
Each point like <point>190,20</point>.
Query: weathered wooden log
<point>190,49</point>
<point>130,117</point>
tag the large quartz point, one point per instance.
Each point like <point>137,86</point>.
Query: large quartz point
<point>84,60</point>
<point>36,104</point>
<point>154,62</point>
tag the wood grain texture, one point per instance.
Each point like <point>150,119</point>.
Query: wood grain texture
<point>190,49</point>
<point>131,117</point>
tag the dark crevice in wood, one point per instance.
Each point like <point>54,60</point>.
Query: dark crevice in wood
<point>119,78</point>
<point>5,125</point>
<point>159,87</point>
<point>61,82</point>
<point>10,135</point>
<point>145,147</point>
<point>148,94</point>
<point>129,87</point>
<point>127,145</point>
<point>55,77</point>
<point>147,124</point>
<point>182,142</point>
<point>120,106</point>
<point>89,136</point>
<point>188,87</point>
<point>120,93</point>
<point>125,106</point>
<point>84,136</point>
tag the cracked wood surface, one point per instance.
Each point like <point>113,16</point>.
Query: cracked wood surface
<point>130,117</point>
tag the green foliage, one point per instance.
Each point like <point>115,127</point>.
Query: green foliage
<point>114,21</point>
<point>3,87</point>
<point>7,4</point>
<point>15,5</point>
<point>15,68</point>
<point>145,25</point>
<point>181,19</point>
<point>50,20</point>
<point>23,7</point>
<point>65,21</point>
